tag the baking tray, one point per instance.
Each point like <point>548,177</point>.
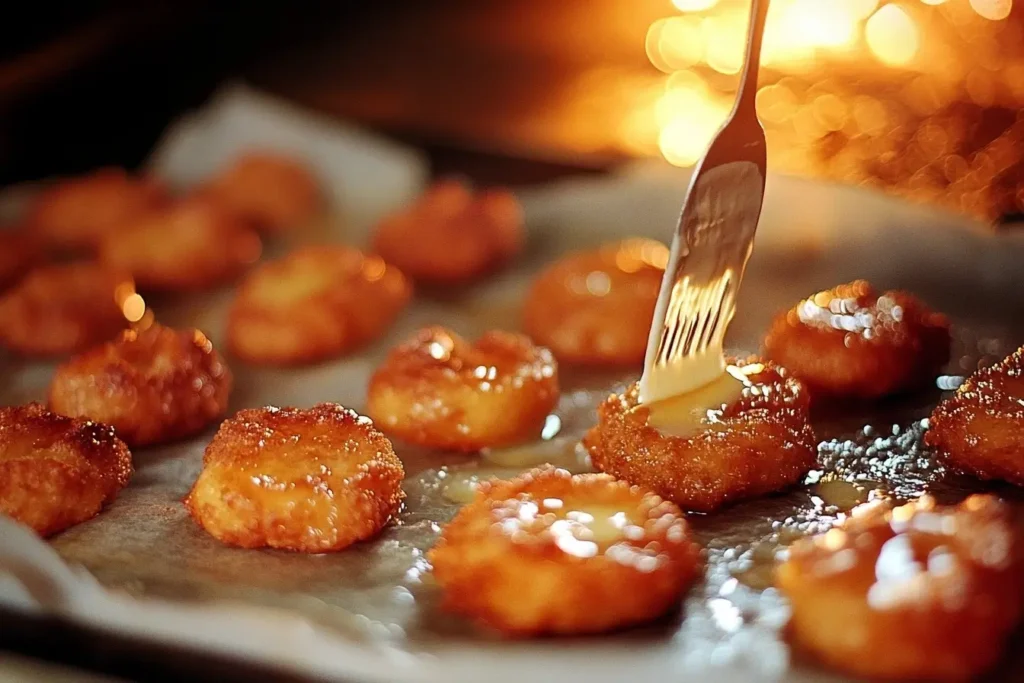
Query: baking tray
<point>143,568</point>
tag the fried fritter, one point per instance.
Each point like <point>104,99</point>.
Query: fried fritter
<point>63,308</point>
<point>440,391</point>
<point>919,592</point>
<point>551,553</point>
<point>74,214</point>
<point>315,303</point>
<point>451,234</point>
<point>978,429</point>
<point>57,471</point>
<point>313,481</point>
<point>192,244</point>
<point>755,445</point>
<point>595,307</point>
<point>273,191</point>
<point>152,385</point>
<point>851,341</point>
<point>19,251</point>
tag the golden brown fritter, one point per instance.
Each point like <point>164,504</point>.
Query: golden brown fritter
<point>192,244</point>
<point>152,385</point>
<point>60,309</point>
<point>19,251</point>
<point>919,592</point>
<point>851,341</point>
<point>451,234</point>
<point>758,444</point>
<point>273,191</point>
<point>315,303</point>
<point>313,481</point>
<point>57,471</point>
<point>549,553</point>
<point>74,214</point>
<point>978,429</point>
<point>440,391</point>
<point>595,307</point>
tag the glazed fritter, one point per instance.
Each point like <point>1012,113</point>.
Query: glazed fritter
<point>851,341</point>
<point>440,391</point>
<point>595,307</point>
<point>274,192</point>
<point>752,446</point>
<point>549,553</point>
<point>312,481</point>
<point>76,213</point>
<point>919,592</point>
<point>978,430</point>
<point>153,385</point>
<point>60,309</point>
<point>315,303</point>
<point>192,244</point>
<point>452,234</point>
<point>57,471</point>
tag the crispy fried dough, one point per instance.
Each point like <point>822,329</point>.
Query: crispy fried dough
<point>312,481</point>
<point>440,391</point>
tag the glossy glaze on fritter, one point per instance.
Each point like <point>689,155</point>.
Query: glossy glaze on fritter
<point>980,429</point>
<point>595,307</point>
<point>919,592</point>
<point>310,480</point>
<point>153,385</point>
<point>452,234</point>
<point>759,444</point>
<point>551,553</point>
<point>56,471</point>
<point>441,391</point>
<point>316,303</point>
<point>60,309</point>
<point>851,341</point>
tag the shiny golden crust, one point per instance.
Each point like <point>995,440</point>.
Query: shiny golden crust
<point>153,385</point>
<point>595,307</point>
<point>440,391</point>
<point>524,558</point>
<point>75,214</point>
<point>313,304</point>
<point>273,191</point>
<point>920,592</point>
<point>19,251</point>
<point>193,244</point>
<point>452,235</point>
<point>851,341</point>
<point>759,444</point>
<point>57,471</point>
<point>59,309</point>
<point>313,481</point>
<point>979,428</point>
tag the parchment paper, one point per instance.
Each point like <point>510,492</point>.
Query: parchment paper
<point>370,612</point>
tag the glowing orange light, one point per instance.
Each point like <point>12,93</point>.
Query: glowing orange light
<point>933,2</point>
<point>892,36</point>
<point>681,43</point>
<point>683,139</point>
<point>992,9</point>
<point>694,5</point>
<point>133,307</point>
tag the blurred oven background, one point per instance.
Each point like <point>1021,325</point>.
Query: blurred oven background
<point>921,98</point>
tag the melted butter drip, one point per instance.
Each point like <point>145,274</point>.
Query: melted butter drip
<point>688,413</point>
<point>604,525</point>
<point>565,453</point>
<point>844,495</point>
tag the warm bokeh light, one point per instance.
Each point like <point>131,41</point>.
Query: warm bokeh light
<point>892,35</point>
<point>694,5</point>
<point>871,92</point>
<point>133,307</point>
<point>993,10</point>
